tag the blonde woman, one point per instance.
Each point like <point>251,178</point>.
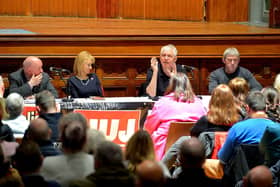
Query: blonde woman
<point>84,83</point>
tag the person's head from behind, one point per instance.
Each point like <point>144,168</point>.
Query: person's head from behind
<point>38,131</point>
<point>191,153</point>
<point>239,87</point>
<point>14,105</point>
<point>32,66</point>
<point>271,96</point>
<point>28,158</point>
<point>83,63</point>
<point>94,138</point>
<point>45,101</point>
<point>231,58</point>
<point>149,174</point>
<point>180,85</point>
<point>259,176</point>
<point>2,87</point>
<point>256,102</point>
<point>108,154</point>
<point>276,83</point>
<point>168,57</point>
<point>139,147</point>
<point>222,106</point>
<point>73,132</point>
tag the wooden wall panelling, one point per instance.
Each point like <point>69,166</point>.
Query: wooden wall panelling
<point>174,10</point>
<point>41,8</point>
<point>15,7</point>
<point>132,9</point>
<point>107,8</point>
<point>227,10</point>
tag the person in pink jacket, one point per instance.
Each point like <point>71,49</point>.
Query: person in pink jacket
<point>178,104</point>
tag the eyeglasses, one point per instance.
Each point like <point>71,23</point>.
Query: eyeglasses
<point>232,59</point>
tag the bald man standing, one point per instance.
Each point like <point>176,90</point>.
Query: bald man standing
<point>30,79</point>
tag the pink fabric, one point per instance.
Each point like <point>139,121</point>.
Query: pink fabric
<point>167,110</point>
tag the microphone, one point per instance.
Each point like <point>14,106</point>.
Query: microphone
<point>56,69</point>
<point>188,68</point>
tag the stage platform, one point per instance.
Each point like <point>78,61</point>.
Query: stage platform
<point>123,47</point>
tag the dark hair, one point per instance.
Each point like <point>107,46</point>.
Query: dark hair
<point>28,157</point>
<point>256,101</point>
<point>109,154</point>
<point>271,95</point>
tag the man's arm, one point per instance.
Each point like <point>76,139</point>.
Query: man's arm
<point>151,89</point>
<point>49,85</point>
<point>254,84</point>
<point>16,85</point>
<point>213,81</point>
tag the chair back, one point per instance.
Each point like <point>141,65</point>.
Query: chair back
<point>176,130</point>
<point>213,141</point>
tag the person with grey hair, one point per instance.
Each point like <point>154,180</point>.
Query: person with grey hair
<point>74,163</point>
<point>16,121</point>
<point>231,69</point>
<point>159,74</point>
<point>109,168</point>
<point>30,79</point>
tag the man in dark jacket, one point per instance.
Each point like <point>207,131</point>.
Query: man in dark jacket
<point>30,79</point>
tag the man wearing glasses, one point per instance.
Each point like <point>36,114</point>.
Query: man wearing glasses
<point>223,75</point>
<point>159,74</point>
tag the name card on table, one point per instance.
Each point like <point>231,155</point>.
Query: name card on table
<point>117,125</point>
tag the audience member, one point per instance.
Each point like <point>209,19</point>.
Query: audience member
<point>222,114</point>
<point>16,121</point>
<point>28,161</point>
<point>6,132</point>
<point>2,87</point>
<point>149,174</point>
<point>30,79</point>
<point>140,147</point>
<point>240,89</point>
<point>47,109</point>
<point>272,98</point>
<point>84,83</point>
<point>2,99</point>
<point>192,158</point>
<point>159,74</point>
<point>179,104</point>
<point>39,132</point>
<point>259,176</point>
<point>276,83</point>
<point>9,177</point>
<point>109,169</point>
<point>94,138</point>
<point>249,131</point>
<point>223,75</point>
<point>74,163</point>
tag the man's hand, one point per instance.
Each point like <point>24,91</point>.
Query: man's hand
<point>35,80</point>
<point>154,64</point>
